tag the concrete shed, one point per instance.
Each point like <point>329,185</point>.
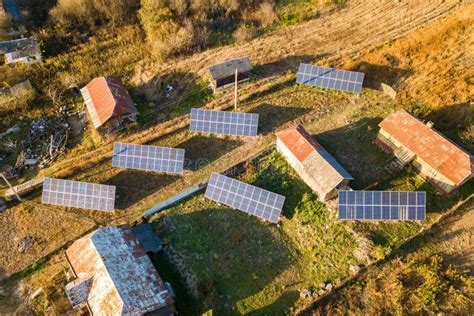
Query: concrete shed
<point>223,74</point>
<point>312,162</point>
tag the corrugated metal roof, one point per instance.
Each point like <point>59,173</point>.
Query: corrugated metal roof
<point>227,68</point>
<point>106,97</point>
<point>429,145</point>
<point>324,170</point>
<point>124,278</point>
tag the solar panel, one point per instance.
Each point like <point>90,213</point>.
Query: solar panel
<point>382,205</point>
<point>222,122</point>
<point>330,78</point>
<point>78,194</point>
<point>245,197</point>
<point>152,158</point>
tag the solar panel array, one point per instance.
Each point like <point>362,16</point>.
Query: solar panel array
<point>78,194</point>
<point>382,205</point>
<point>151,158</point>
<point>222,122</point>
<point>330,78</point>
<point>245,197</point>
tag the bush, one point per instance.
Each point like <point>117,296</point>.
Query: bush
<point>19,100</point>
<point>245,33</point>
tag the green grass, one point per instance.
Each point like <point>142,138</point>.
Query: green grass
<point>244,265</point>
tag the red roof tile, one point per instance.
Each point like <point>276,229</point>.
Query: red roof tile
<point>298,141</point>
<point>429,145</point>
<point>108,98</point>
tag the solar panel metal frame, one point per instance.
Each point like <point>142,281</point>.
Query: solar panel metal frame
<point>330,78</point>
<point>382,205</point>
<point>245,197</point>
<point>149,158</point>
<point>224,122</point>
<point>78,194</point>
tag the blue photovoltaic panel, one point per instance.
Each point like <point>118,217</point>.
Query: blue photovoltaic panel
<point>78,194</point>
<point>330,78</point>
<point>245,197</point>
<point>151,158</point>
<point>222,122</point>
<point>382,205</point>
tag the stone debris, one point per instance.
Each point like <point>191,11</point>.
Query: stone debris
<point>306,293</point>
<point>354,269</point>
<point>25,244</point>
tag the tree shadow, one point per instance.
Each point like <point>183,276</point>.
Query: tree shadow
<point>234,255</point>
<point>352,146</point>
<point>202,150</point>
<point>456,121</point>
<point>134,185</point>
<point>273,116</point>
<point>377,74</point>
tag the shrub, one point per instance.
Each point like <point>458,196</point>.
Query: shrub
<point>19,100</point>
<point>245,33</point>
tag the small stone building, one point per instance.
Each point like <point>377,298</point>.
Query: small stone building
<point>223,74</point>
<point>436,158</point>
<point>321,172</point>
<point>108,103</point>
<point>114,276</point>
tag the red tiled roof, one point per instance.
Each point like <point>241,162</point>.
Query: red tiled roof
<point>298,141</point>
<point>429,145</point>
<point>109,98</point>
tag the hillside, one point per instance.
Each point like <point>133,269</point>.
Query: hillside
<point>423,49</point>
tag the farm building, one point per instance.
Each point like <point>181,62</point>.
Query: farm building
<point>223,74</point>
<point>312,162</point>
<point>114,276</point>
<point>107,101</point>
<point>26,50</point>
<point>436,158</point>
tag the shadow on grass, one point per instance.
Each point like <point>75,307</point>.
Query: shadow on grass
<point>134,185</point>
<point>286,300</point>
<point>352,146</point>
<point>377,74</point>
<point>233,255</point>
<point>202,150</point>
<point>273,116</point>
<point>290,63</point>
<point>172,94</point>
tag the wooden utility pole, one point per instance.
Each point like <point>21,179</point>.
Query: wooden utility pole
<point>235,97</point>
<point>8,182</point>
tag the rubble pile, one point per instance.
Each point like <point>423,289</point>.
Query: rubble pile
<point>46,139</point>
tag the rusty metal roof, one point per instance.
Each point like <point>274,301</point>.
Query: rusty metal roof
<point>227,68</point>
<point>326,173</point>
<point>124,280</point>
<point>429,145</point>
<point>106,97</point>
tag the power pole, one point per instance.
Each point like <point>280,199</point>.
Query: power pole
<point>8,182</point>
<point>235,97</point>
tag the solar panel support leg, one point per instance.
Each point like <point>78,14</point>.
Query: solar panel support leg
<point>11,187</point>
<point>235,97</point>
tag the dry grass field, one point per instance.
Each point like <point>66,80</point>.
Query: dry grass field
<point>399,43</point>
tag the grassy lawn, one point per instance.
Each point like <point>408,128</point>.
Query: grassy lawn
<point>245,265</point>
